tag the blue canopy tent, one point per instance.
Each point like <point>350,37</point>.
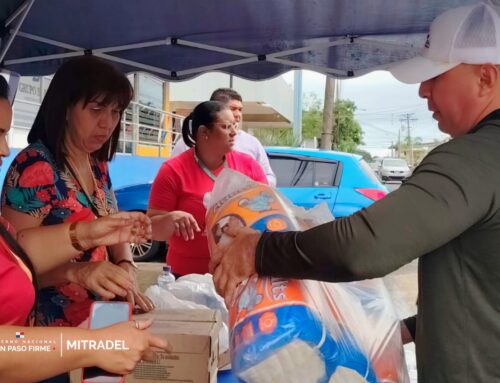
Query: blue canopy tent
<point>253,39</point>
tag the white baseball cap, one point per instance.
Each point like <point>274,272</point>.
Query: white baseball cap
<point>463,35</point>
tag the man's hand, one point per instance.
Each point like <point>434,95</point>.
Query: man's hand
<point>232,264</point>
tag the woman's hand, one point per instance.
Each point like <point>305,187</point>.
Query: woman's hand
<point>103,278</point>
<point>168,223</point>
<point>116,228</point>
<point>181,224</point>
<point>136,339</point>
<point>134,295</point>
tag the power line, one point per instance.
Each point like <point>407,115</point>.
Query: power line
<point>394,110</point>
<point>370,125</point>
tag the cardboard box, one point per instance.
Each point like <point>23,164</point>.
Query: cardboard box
<point>194,336</point>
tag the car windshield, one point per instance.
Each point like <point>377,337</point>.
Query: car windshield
<point>395,162</point>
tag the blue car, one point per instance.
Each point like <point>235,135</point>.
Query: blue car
<point>307,177</point>
<point>344,181</point>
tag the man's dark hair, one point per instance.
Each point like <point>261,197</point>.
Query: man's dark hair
<point>86,78</point>
<point>4,88</point>
<point>225,95</point>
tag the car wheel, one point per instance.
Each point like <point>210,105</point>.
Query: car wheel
<point>145,251</point>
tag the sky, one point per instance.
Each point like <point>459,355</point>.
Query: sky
<point>382,102</point>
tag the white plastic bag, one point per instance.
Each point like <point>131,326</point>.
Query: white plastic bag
<point>301,331</point>
<point>193,291</point>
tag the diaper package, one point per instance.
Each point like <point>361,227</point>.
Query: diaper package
<point>284,330</point>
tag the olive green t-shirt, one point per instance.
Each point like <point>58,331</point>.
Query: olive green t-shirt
<point>448,214</point>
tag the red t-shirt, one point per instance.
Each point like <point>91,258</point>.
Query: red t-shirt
<point>180,185</point>
<point>17,295</point>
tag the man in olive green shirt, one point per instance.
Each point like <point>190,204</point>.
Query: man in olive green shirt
<point>447,214</point>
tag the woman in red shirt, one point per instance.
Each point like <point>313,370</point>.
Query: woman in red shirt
<point>176,199</point>
<point>18,291</point>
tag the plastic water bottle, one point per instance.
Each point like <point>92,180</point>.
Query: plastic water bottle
<point>166,277</point>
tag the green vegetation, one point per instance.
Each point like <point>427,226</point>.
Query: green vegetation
<point>347,133</point>
<point>276,137</point>
<point>346,138</point>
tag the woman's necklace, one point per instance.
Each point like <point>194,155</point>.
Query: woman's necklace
<point>97,192</point>
<point>204,167</point>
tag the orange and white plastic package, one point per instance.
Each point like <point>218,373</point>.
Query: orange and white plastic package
<point>301,331</point>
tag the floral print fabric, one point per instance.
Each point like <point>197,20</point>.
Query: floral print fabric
<point>36,186</point>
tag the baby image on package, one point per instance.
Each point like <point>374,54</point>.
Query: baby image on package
<point>285,330</point>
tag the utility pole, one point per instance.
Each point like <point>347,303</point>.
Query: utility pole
<point>399,142</point>
<point>326,134</point>
<point>297,105</point>
<point>407,117</point>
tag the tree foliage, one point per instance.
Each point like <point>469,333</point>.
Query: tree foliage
<point>312,117</point>
<point>276,137</point>
<point>346,138</point>
<point>347,133</point>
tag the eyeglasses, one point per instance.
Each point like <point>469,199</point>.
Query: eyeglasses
<point>227,125</point>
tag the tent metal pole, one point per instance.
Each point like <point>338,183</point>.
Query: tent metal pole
<point>12,36</point>
<point>166,41</point>
<point>214,48</point>
<point>134,64</point>
<point>43,58</point>
<point>248,57</point>
<point>49,41</point>
<point>16,13</point>
<point>79,51</point>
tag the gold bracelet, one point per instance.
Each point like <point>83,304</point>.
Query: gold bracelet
<point>73,238</point>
